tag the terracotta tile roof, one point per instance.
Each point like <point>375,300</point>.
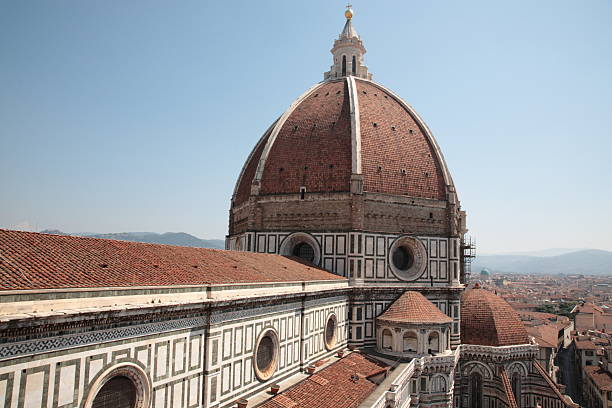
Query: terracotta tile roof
<point>413,307</point>
<point>488,320</point>
<point>546,335</point>
<point>525,314</point>
<point>508,389</point>
<point>392,139</point>
<point>600,377</point>
<point>313,146</point>
<point>41,261</point>
<point>585,345</point>
<point>589,308</point>
<point>553,386</point>
<point>344,384</point>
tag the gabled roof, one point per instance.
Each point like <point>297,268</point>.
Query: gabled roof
<point>343,384</point>
<point>42,261</point>
<point>413,307</point>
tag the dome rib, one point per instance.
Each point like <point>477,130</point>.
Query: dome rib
<point>421,123</point>
<point>279,125</point>
<point>242,191</point>
<point>386,160</point>
<point>355,126</point>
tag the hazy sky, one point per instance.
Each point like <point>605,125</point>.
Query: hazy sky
<point>138,115</point>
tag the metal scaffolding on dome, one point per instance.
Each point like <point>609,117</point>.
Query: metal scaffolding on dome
<point>468,253</point>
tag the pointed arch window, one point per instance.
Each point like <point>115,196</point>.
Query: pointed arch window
<point>354,66</point>
<point>516,387</point>
<point>475,390</point>
<point>344,65</point>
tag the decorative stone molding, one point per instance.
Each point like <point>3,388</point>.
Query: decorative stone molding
<point>416,250</point>
<point>289,243</point>
<point>498,354</point>
<point>132,371</point>
<point>265,373</point>
<point>330,334</point>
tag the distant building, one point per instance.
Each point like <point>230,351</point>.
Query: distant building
<point>589,316</point>
<point>598,382</point>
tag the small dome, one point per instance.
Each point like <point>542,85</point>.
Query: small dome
<point>485,272</point>
<point>488,320</point>
<point>413,307</point>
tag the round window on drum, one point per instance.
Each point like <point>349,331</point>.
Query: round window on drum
<point>407,258</point>
<point>304,251</point>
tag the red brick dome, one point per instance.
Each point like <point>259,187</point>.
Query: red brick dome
<point>341,130</point>
<point>413,307</point>
<point>488,320</point>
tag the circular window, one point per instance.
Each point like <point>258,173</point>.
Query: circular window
<point>118,392</point>
<point>266,355</point>
<point>403,258</point>
<point>407,258</point>
<point>303,246</point>
<point>330,331</point>
<point>304,251</point>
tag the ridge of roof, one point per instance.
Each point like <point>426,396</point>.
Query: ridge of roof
<point>508,389</point>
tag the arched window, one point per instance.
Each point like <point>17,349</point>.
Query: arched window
<point>438,384</point>
<point>475,390</point>
<point>410,342</point>
<point>433,344</point>
<point>354,66</point>
<point>344,65</point>
<point>118,392</point>
<point>387,339</point>
<point>516,388</point>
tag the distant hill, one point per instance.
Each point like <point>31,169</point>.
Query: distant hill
<point>167,238</point>
<point>585,261</point>
<point>543,252</point>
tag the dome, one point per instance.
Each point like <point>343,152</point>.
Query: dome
<point>347,155</point>
<point>412,307</point>
<point>485,272</point>
<point>488,320</point>
<point>340,130</point>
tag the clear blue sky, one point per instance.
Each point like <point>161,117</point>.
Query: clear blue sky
<point>138,115</point>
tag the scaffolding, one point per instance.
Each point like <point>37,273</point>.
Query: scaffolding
<point>468,253</point>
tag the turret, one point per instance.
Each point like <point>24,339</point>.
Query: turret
<point>348,52</point>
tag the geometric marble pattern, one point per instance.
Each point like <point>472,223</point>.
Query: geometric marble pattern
<point>55,343</point>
